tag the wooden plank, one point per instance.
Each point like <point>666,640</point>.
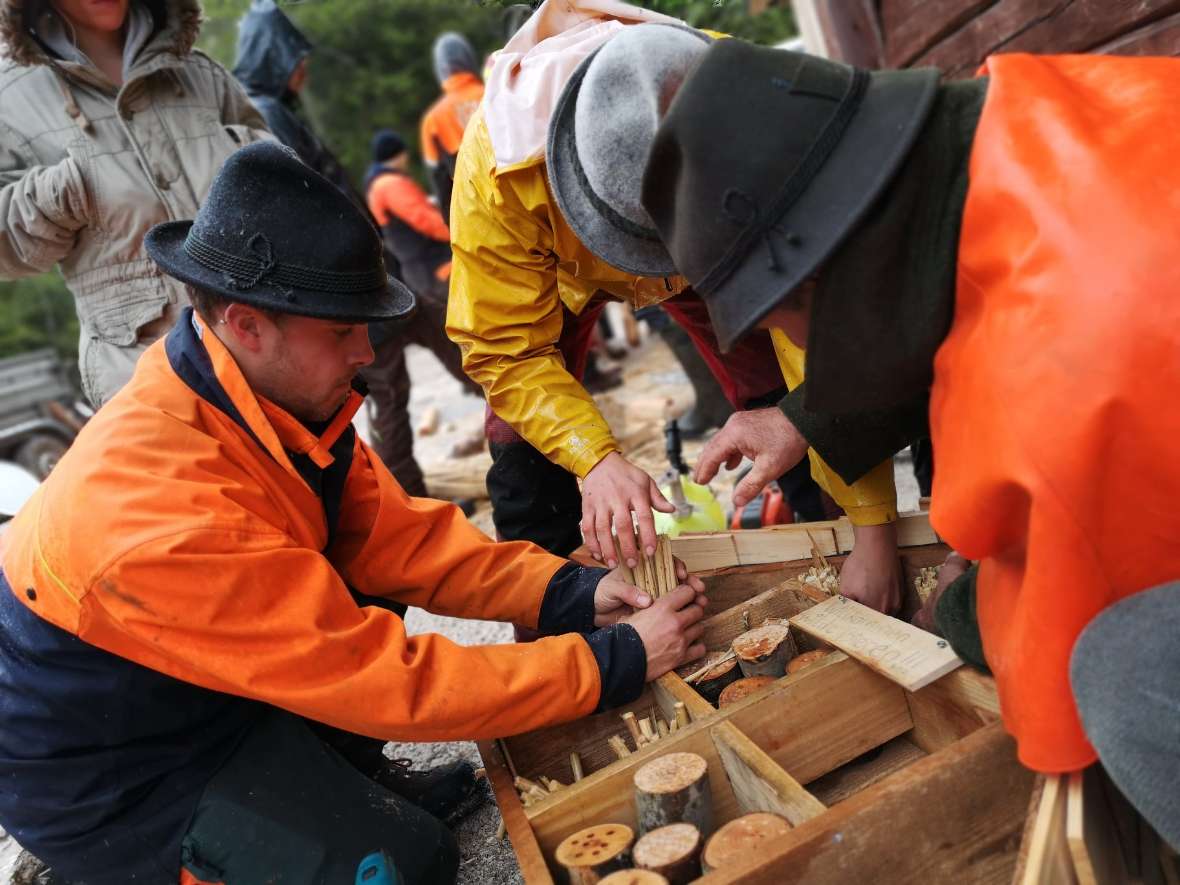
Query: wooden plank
<point>707,551</point>
<point>758,546</point>
<point>910,27</point>
<point>1049,861</point>
<point>607,796</point>
<point>528,851</point>
<point>955,816</point>
<point>670,688</point>
<point>914,530</point>
<point>851,31</point>
<point>910,657</point>
<point>852,777</point>
<point>1159,38</point>
<point>758,783</point>
<point>1091,831</point>
<point>1037,26</point>
<point>823,716</point>
<point>952,707</point>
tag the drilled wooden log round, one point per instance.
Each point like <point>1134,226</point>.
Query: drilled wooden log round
<point>742,689</point>
<point>634,877</point>
<point>765,650</point>
<point>673,789</point>
<point>673,851</point>
<point>714,681</point>
<point>591,854</point>
<point>743,838</point>
<point>806,660</point>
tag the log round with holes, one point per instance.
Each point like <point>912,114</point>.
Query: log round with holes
<point>634,877</point>
<point>742,689</point>
<point>765,650</point>
<point>713,682</point>
<point>672,789</point>
<point>673,851</point>
<point>742,838</point>
<point>591,854</point>
<point>806,659</point>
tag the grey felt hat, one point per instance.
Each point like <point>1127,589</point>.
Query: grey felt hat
<point>600,134</point>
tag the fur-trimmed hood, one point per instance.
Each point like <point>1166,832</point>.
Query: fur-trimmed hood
<point>181,18</point>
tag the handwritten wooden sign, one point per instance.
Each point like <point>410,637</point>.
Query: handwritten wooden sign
<point>899,651</point>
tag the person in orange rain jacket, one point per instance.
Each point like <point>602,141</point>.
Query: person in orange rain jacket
<point>994,246</point>
<point>201,644</point>
<point>444,122</point>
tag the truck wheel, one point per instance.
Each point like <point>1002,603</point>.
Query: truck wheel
<point>40,454</point>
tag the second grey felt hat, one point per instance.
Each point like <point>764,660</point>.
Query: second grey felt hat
<point>600,135</point>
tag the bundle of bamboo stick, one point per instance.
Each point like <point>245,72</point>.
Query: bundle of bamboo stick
<point>655,575</point>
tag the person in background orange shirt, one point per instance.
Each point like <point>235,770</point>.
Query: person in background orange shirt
<point>414,231</point>
<point>443,124</point>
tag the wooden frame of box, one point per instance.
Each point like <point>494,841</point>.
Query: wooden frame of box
<point>943,801</point>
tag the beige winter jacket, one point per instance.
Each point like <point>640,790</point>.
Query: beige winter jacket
<point>86,168</point>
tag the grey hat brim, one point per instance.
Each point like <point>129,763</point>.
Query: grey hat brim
<point>165,246</point>
<point>631,253</point>
<point>855,174</point>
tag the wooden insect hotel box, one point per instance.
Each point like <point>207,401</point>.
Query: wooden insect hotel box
<point>879,782</point>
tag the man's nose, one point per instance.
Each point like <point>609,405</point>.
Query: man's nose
<point>363,348</point>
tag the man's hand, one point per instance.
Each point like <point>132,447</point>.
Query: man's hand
<point>952,567</point>
<point>615,599</point>
<point>613,490</point>
<point>872,573</point>
<point>765,436</point>
<point>670,628</point>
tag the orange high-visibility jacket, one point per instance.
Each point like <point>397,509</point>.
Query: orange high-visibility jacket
<point>177,537</point>
<point>1054,412</point>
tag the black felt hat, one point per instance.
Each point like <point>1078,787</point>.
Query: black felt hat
<point>275,234</point>
<point>763,164</point>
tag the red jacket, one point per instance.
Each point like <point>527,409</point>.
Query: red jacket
<point>1054,412</point>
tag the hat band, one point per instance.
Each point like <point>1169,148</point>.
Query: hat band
<point>246,273</point>
<point>796,184</point>
<point>621,222</point>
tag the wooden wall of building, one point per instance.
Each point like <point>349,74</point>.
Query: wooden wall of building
<point>957,35</point>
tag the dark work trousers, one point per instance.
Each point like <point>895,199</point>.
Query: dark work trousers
<point>389,387</point>
<point>287,807</point>
<point>533,499</point>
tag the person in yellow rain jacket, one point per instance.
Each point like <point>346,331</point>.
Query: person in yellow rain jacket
<point>202,652</point>
<point>525,293</point>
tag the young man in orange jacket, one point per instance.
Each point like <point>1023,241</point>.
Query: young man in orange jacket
<point>992,247</point>
<point>445,121</point>
<point>201,647</point>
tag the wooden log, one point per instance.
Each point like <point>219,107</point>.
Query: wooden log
<point>739,839</point>
<point>765,650</point>
<point>806,659</point>
<point>672,851</point>
<point>742,689</point>
<point>671,789</point>
<point>717,670</point>
<point>634,877</point>
<point>590,855</point>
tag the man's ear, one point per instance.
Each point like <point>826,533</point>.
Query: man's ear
<point>246,325</point>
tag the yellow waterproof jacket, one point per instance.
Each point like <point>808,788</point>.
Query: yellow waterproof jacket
<point>872,499</point>
<point>517,266</point>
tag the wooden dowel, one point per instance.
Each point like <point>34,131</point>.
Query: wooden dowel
<point>697,674</point>
<point>632,726</point>
<point>619,747</point>
<point>646,729</point>
<point>662,728</point>
<point>523,783</point>
<point>576,767</point>
<point>681,714</point>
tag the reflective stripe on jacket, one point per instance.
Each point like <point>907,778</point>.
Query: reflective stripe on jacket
<point>1054,413</point>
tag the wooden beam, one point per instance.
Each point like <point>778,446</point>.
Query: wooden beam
<point>899,651</point>
<point>759,784</point>
<point>1158,38</point>
<point>910,27</point>
<point>1048,858</point>
<point>823,716</point>
<point>955,816</point>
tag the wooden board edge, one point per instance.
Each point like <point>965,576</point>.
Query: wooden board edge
<point>1048,858</point>
<point>533,868</point>
<point>775,790</point>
